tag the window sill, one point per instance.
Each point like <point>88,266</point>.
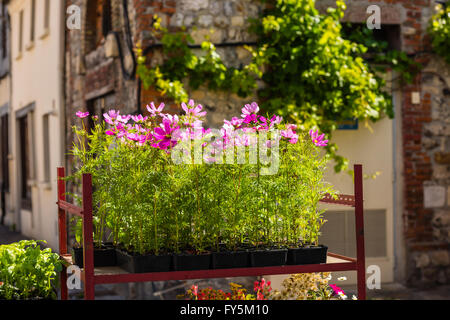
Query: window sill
<point>30,46</point>
<point>46,185</point>
<point>32,183</point>
<point>19,56</point>
<point>45,34</point>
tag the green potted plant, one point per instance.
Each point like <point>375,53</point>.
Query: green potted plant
<point>171,198</point>
<point>28,272</point>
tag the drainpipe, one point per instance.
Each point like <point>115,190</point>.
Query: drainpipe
<point>394,182</point>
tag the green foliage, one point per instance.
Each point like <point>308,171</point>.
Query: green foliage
<point>181,63</point>
<point>439,30</point>
<point>27,272</point>
<point>381,58</point>
<point>317,77</point>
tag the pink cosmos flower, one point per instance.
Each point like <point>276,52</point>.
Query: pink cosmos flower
<point>291,135</point>
<point>111,116</point>
<point>291,126</point>
<point>123,119</point>
<point>82,115</point>
<point>318,140</point>
<point>192,110</point>
<point>110,132</point>
<point>251,118</point>
<point>154,111</point>
<point>235,122</point>
<point>250,109</point>
<point>163,135</point>
<point>277,120</point>
<point>173,119</point>
<point>141,139</point>
<point>139,118</point>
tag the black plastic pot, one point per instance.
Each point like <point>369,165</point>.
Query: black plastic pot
<point>268,257</point>
<point>135,263</point>
<point>230,259</point>
<point>307,255</point>
<point>189,262</point>
<point>103,257</point>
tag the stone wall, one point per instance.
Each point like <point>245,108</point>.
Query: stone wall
<point>430,252</point>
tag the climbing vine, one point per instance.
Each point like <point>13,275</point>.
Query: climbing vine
<point>206,69</point>
<point>439,30</point>
<point>313,73</point>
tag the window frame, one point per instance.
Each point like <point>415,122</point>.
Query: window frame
<point>26,155</point>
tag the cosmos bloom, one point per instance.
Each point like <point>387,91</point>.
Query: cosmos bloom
<point>235,122</point>
<point>293,127</point>
<point>173,119</point>
<point>291,135</point>
<point>82,115</point>
<point>123,119</point>
<point>139,118</point>
<point>192,110</point>
<point>318,140</point>
<point>141,139</point>
<point>251,118</point>
<point>163,135</point>
<point>110,132</point>
<point>154,111</point>
<point>250,109</point>
<point>111,116</point>
<point>277,120</point>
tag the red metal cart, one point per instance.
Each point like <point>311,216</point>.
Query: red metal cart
<point>92,276</point>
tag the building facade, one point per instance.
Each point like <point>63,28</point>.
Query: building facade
<point>5,96</point>
<point>36,115</point>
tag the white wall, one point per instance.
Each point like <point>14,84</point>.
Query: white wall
<point>38,78</point>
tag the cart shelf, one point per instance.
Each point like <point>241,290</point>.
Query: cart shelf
<point>92,276</point>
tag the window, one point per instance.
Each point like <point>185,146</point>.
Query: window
<point>3,31</point>
<point>3,37</point>
<point>26,164</point>
<point>20,48</point>
<point>32,20</point>
<point>98,23</point>
<point>46,136</point>
<point>4,40</point>
<point>47,14</point>
<point>25,167</point>
<point>4,149</point>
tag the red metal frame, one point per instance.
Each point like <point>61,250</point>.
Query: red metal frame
<point>91,279</point>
